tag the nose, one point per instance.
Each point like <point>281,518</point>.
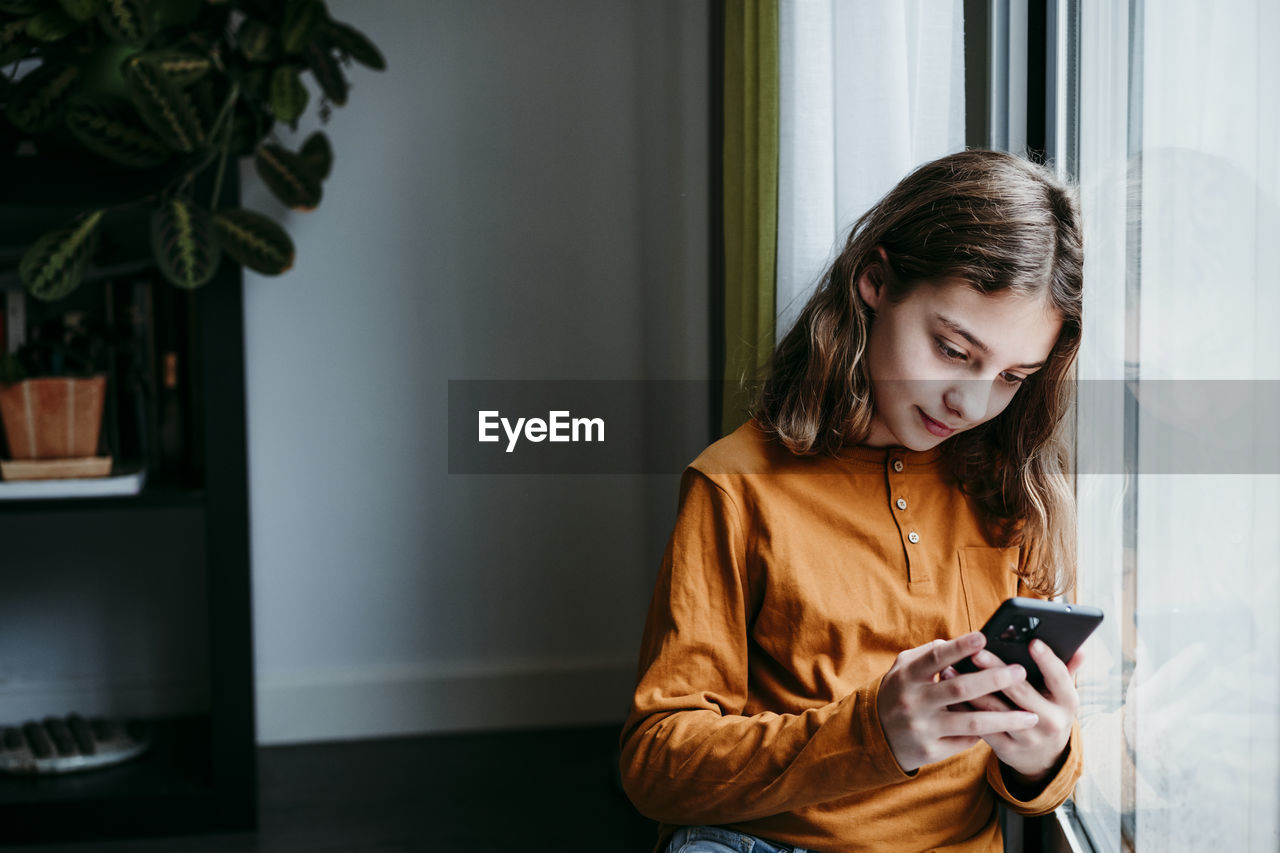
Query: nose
<point>967,400</point>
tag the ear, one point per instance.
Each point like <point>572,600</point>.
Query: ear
<point>871,279</point>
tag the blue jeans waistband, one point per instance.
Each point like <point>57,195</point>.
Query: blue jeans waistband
<point>717,839</point>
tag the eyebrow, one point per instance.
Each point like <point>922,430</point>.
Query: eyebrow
<point>968,336</point>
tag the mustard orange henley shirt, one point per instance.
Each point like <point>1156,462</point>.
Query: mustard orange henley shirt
<point>788,587</point>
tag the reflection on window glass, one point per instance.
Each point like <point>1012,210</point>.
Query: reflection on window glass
<point>1179,166</point>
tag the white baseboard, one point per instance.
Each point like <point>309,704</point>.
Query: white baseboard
<point>366,702</point>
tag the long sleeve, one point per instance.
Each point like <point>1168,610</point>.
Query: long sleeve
<point>689,754</point>
<point>1055,791</point>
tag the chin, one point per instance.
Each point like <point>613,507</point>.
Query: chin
<point>913,436</point>
<point>913,441</point>
<point>924,443</point>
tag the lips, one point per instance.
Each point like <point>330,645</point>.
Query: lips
<point>935,427</point>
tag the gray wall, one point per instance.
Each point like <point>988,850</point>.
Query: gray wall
<point>522,195</point>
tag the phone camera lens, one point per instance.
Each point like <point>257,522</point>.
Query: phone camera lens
<point>1020,629</point>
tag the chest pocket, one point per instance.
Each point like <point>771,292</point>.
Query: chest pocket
<point>988,576</point>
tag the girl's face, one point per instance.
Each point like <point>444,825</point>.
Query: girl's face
<point>948,358</point>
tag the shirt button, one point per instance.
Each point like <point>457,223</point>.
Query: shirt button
<point>897,465</point>
<point>913,537</point>
<point>902,503</point>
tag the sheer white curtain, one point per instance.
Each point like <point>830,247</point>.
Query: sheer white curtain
<point>1180,178</point>
<point>869,89</point>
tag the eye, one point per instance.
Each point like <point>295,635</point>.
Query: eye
<point>950,352</point>
<point>1012,379</point>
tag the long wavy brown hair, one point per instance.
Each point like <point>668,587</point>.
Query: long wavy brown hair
<point>999,222</point>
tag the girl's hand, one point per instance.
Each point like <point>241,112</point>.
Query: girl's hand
<point>913,703</point>
<point>1033,753</point>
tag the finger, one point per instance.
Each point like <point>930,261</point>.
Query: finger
<point>910,656</point>
<point>991,702</point>
<point>1077,661</point>
<point>938,655</point>
<point>964,688</point>
<point>1025,696</point>
<point>983,723</point>
<point>987,659</point>
<point>946,675</point>
<point>959,744</point>
<point>1022,694</point>
<point>1057,679</point>
<point>1000,741</point>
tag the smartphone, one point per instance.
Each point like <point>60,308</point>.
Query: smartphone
<point>1018,621</point>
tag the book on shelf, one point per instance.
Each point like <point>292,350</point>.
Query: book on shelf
<point>124,482</point>
<point>170,379</point>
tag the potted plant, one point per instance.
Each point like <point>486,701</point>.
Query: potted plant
<point>52,393</point>
<point>171,90</point>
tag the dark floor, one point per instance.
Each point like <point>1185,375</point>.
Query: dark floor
<point>508,792</point>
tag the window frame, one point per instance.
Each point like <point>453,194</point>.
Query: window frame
<point>1022,91</point>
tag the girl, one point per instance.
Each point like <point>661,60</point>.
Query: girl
<point>903,473</point>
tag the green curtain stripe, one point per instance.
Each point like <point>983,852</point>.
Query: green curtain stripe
<point>767,178</point>
<point>750,196</point>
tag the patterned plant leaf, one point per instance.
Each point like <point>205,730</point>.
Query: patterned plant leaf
<point>129,21</point>
<point>81,10</point>
<point>55,264</point>
<point>51,24</point>
<point>288,95</point>
<point>181,67</point>
<point>201,97</point>
<point>317,154</point>
<point>328,72</point>
<point>288,177</point>
<point>354,44</point>
<point>257,41</point>
<point>184,242</point>
<point>111,130</point>
<point>36,102</point>
<point>162,105</point>
<point>301,18</point>
<point>255,240</point>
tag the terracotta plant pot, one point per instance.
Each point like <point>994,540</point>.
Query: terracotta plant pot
<point>53,418</point>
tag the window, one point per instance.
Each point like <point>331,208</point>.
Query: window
<point>1179,423</point>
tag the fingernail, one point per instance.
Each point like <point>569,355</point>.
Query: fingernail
<point>1018,672</point>
<point>973,640</point>
<point>987,658</point>
<point>1030,719</point>
<point>1039,646</point>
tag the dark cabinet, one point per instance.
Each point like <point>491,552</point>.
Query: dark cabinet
<point>139,603</point>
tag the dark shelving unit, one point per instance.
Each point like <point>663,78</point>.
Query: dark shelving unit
<point>200,773</point>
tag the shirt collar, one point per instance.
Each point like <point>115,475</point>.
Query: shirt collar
<point>882,456</point>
